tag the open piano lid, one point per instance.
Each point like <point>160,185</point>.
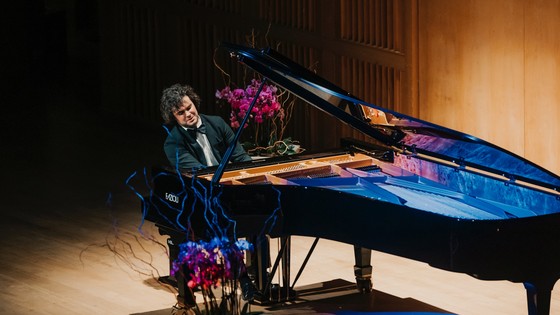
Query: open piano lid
<point>403,133</point>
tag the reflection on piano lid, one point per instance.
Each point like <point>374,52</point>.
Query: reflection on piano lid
<point>394,129</point>
<point>416,190</point>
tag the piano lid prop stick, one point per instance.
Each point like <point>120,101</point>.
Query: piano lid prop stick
<point>225,160</point>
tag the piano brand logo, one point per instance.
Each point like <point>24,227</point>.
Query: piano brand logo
<point>171,197</point>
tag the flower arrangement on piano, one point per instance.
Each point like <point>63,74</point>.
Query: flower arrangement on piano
<point>209,265</point>
<point>268,119</point>
<point>267,106</point>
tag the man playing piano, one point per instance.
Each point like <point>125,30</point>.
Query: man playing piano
<point>196,140</point>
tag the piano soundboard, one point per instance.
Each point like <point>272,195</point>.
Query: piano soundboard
<point>343,165</point>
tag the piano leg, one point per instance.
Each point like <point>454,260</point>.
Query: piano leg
<point>538,297</point>
<point>363,269</point>
<point>286,259</point>
<point>258,261</point>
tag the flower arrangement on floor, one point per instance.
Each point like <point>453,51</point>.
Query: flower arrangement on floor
<point>213,264</point>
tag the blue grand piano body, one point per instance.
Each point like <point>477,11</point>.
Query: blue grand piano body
<point>413,189</point>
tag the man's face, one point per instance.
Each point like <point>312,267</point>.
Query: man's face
<point>186,115</point>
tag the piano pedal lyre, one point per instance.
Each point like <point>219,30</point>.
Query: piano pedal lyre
<point>269,292</point>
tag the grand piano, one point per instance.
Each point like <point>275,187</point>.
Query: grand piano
<point>412,189</point>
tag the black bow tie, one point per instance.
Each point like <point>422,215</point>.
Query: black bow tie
<point>193,131</point>
<point>201,129</point>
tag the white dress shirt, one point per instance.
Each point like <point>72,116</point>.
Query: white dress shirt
<point>205,145</point>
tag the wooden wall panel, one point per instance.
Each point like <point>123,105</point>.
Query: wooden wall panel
<point>488,67</point>
<point>542,83</point>
<point>149,45</point>
<point>297,14</point>
<point>376,23</point>
<point>471,68</point>
<point>379,84</point>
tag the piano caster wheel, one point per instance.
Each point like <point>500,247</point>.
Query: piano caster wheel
<point>364,285</point>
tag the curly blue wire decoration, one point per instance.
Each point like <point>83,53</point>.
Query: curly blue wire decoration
<point>195,195</point>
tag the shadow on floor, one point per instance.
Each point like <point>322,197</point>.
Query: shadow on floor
<point>339,297</point>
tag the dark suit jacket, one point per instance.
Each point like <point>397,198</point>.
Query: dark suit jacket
<point>182,149</point>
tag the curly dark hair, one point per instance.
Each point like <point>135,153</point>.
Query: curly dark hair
<point>171,100</point>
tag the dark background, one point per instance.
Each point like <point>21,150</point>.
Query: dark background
<point>59,149</point>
